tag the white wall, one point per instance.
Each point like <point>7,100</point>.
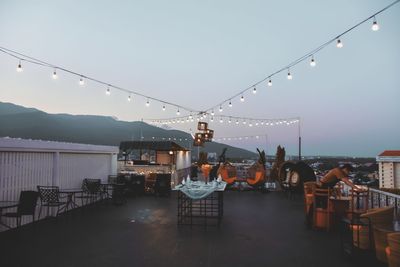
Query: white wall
<point>183,160</point>
<point>25,164</point>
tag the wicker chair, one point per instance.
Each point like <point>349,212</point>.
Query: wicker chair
<point>228,173</point>
<point>257,176</point>
<point>393,250</point>
<point>362,235</point>
<point>321,208</point>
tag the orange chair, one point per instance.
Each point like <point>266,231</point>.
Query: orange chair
<point>258,179</point>
<point>205,169</point>
<point>393,250</point>
<point>321,208</point>
<point>228,173</point>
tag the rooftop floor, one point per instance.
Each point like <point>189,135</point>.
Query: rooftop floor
<point>257,230</point>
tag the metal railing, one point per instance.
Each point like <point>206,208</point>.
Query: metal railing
<point>379,198</point>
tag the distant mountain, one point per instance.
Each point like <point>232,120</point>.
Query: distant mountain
<point>30,123</point>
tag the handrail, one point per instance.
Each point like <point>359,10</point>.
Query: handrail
<point>384,193</point>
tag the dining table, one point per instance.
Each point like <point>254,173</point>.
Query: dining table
<point>70,193</point>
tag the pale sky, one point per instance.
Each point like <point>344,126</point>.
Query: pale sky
<point>198,53</point>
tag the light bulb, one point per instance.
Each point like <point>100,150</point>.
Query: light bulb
<point>270,82</point>
<point>212,113</point>
<point>339,43</point>
<point>212,119</point>
<point>108,92</point>
<point>244,122</point>
<point>230,121</point>
<point>221,120</point>
<point>242,98</point>
<point>230,103</point>
<point>190,116</point>
<point>312,62</point>
<point>19,67</point>
<point>178,112</point>
<point>55,75</point>
<point>220,109</point>
<point>237,122</point>
<point>81,81</point>
<point>129,98</point>
<point>147,103</point>
<point>289,75</point>
<point>251,124</point>
<point>254,90</point>
<point>375,25</point>
<point>163,107</point>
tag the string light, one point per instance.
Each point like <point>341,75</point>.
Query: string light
<point>129,98</point>
<point>81,81</point>
<point>19,67</point>
<point>220,109</point>
<point>242,98</point>
<point>221,120</point>
<point>339,43</point>
<point>212,113</point>
<point>148,103</point>
<point>163,108</point>
<point>178,112</point>
<point>375,25</point>
<point>254,90</point>
<point>108,92</point>
<point>212,119</point>
<point>289,75</point>
<point>230,103</point>
<point>270,83</point>
<point>55,75</point>
<point>237,122</point>
<point>312,62</point>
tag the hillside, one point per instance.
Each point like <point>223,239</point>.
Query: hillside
<point>29,123</point>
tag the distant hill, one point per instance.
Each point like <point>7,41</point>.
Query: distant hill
<point>29,123</point>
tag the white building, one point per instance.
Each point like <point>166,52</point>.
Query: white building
<point>389,169</point>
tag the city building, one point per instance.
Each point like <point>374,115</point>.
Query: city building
<point>389,169</point>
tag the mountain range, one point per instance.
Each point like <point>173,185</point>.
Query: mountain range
<point>29,123</point>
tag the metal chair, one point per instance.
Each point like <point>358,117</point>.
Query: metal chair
<point>50,198</point>
<point>26,206</point>
<point>162,185</point>
<point>91,190</point>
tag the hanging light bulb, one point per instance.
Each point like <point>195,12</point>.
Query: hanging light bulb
<point>212,113</point>
<point>237,122</point>
<point>230,120</point>
<point>220,108</point>
<point>242,98</point>
<point>250,124</point>
<point>129,98</point>
<point>270,82</point>
<point>81,81</point>
<point>339,43</point>
<point>190,116</point>
<point>230,103</point>
<point>108,92</point>
<point>221,120</point>
<point>254,90</point>
<point>55,75</point>
<point>289,75</point>
<point>244,121</point>
<point>19,67</point>
<point>147,103</point>
<point>163,108</point>
<point>178,112</point>
<point>212,119</point>
<point>375,25</point>
<point>312,62</point>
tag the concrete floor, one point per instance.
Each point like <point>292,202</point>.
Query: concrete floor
<point>257,230</point>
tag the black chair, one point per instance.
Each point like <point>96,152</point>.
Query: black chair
<point>136,184</point>
<point>26,206</point>
<point>163,184</point>
<point>91,190</point>
<point>118,193</point>
<point>50,198</point>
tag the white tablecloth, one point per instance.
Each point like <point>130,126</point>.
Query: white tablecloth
<point>198,190</point>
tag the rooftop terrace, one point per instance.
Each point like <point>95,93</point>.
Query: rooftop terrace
<point>257,230</point>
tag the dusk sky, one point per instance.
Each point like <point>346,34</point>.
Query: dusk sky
<point>199,53</point>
